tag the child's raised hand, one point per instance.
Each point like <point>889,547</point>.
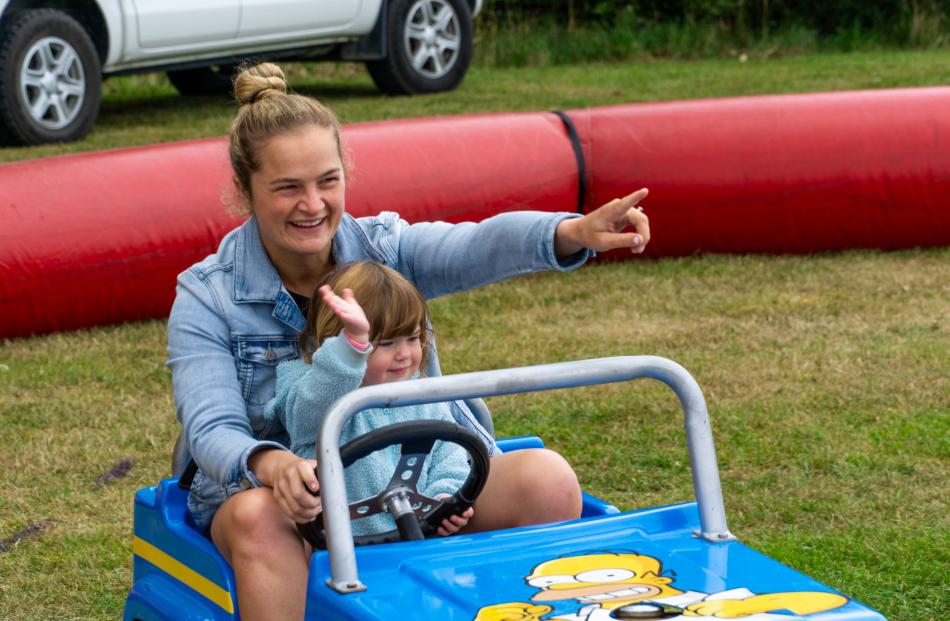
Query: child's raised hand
<point>351,314</point>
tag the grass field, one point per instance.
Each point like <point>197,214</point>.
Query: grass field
<point>827,377</point>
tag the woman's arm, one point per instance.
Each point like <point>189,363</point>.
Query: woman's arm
<point>442,258</point>
<point>208,397</point>
<point>292,480</point>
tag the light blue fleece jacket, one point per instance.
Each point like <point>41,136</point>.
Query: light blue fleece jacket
<point>306,391</point>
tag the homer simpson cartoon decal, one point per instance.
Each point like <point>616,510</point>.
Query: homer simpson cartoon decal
<point>609,586</point>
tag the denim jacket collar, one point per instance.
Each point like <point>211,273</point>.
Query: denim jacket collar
<point>256,279</point>
<point>351,243</point>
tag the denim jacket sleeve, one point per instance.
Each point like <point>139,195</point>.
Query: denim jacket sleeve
<point>207,391</point>
<point>442,258</point>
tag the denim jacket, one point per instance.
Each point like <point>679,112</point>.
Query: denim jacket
<point>233,322</point>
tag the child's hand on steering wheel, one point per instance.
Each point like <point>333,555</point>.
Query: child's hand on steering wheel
<point>454,523</point>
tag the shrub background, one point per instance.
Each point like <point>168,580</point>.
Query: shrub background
<point>520,32</point>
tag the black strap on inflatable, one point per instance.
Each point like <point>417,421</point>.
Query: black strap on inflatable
<point>579,154</point>
<point>186,478</point>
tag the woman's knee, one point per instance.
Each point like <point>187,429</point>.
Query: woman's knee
<point>562,480</point>
<point>249,522</point>
<point>548,482</point>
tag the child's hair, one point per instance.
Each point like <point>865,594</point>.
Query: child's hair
<point>393,306</point>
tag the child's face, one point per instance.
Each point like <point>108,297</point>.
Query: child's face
<point>394,360</point>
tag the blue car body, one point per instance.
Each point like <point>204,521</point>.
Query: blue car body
<point>678,561</point>
<point>180,576</point>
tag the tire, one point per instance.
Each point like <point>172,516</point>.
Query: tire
<point>428,47</point>
<point>50,79</point>
<point>211,80</point>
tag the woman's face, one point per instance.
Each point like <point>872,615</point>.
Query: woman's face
<point>297,195</point>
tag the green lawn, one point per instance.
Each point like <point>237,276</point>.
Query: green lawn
<point>147,109</point>
<point>827,377</point>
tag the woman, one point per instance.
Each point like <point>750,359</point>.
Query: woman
<point>238,313</point>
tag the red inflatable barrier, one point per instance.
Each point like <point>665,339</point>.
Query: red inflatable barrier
<point>462,168</point>
<point>779,174</point>
<point>99,238</point>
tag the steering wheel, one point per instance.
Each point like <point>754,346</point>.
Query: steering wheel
<point>417,516</point>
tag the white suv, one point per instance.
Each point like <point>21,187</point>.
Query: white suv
<point>54,53</point>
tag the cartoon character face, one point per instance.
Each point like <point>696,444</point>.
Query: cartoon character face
<point>611,580</point>
<point>607,581</point>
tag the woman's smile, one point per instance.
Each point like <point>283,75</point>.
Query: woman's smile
<point>308,224</point>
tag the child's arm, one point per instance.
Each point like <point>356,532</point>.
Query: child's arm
<point>449,463</point>
<point>337,368</point>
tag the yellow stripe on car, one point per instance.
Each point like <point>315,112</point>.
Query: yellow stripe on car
<point>183,573</point>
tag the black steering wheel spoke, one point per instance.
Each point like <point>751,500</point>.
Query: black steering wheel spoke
<point>366,507</point>
<point>424,505</point>
<point>410,465</point>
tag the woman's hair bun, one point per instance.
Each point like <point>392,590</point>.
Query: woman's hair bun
<point>259,81</point>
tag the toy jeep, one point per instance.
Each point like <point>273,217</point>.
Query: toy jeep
<point>672,562</point>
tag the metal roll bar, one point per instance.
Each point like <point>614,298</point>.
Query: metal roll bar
<point>702,451</point>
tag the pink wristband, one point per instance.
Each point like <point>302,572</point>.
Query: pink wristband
<point>356,344</point>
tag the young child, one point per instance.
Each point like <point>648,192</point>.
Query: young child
<point>368,325</point>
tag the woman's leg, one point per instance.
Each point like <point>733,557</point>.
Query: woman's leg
<point>531,486</point>
<point>269,558</point>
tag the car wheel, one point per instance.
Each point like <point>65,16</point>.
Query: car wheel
<point>212,80</point>
<point>429,47</point>
<point>50,80</point>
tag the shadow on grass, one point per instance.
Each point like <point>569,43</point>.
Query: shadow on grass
<point>323,90</point>
<point>164,101</point>
<point>122,109</point>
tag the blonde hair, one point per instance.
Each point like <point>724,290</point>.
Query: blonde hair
<point>393,306</point>
<point>267,109</point>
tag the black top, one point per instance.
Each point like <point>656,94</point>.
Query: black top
<point>303,302</point>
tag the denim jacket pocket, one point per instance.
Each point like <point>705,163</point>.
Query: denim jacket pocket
<point>257,358</point>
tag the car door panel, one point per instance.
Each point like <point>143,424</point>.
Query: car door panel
<point>289,19</point>
<point>169,24</point>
